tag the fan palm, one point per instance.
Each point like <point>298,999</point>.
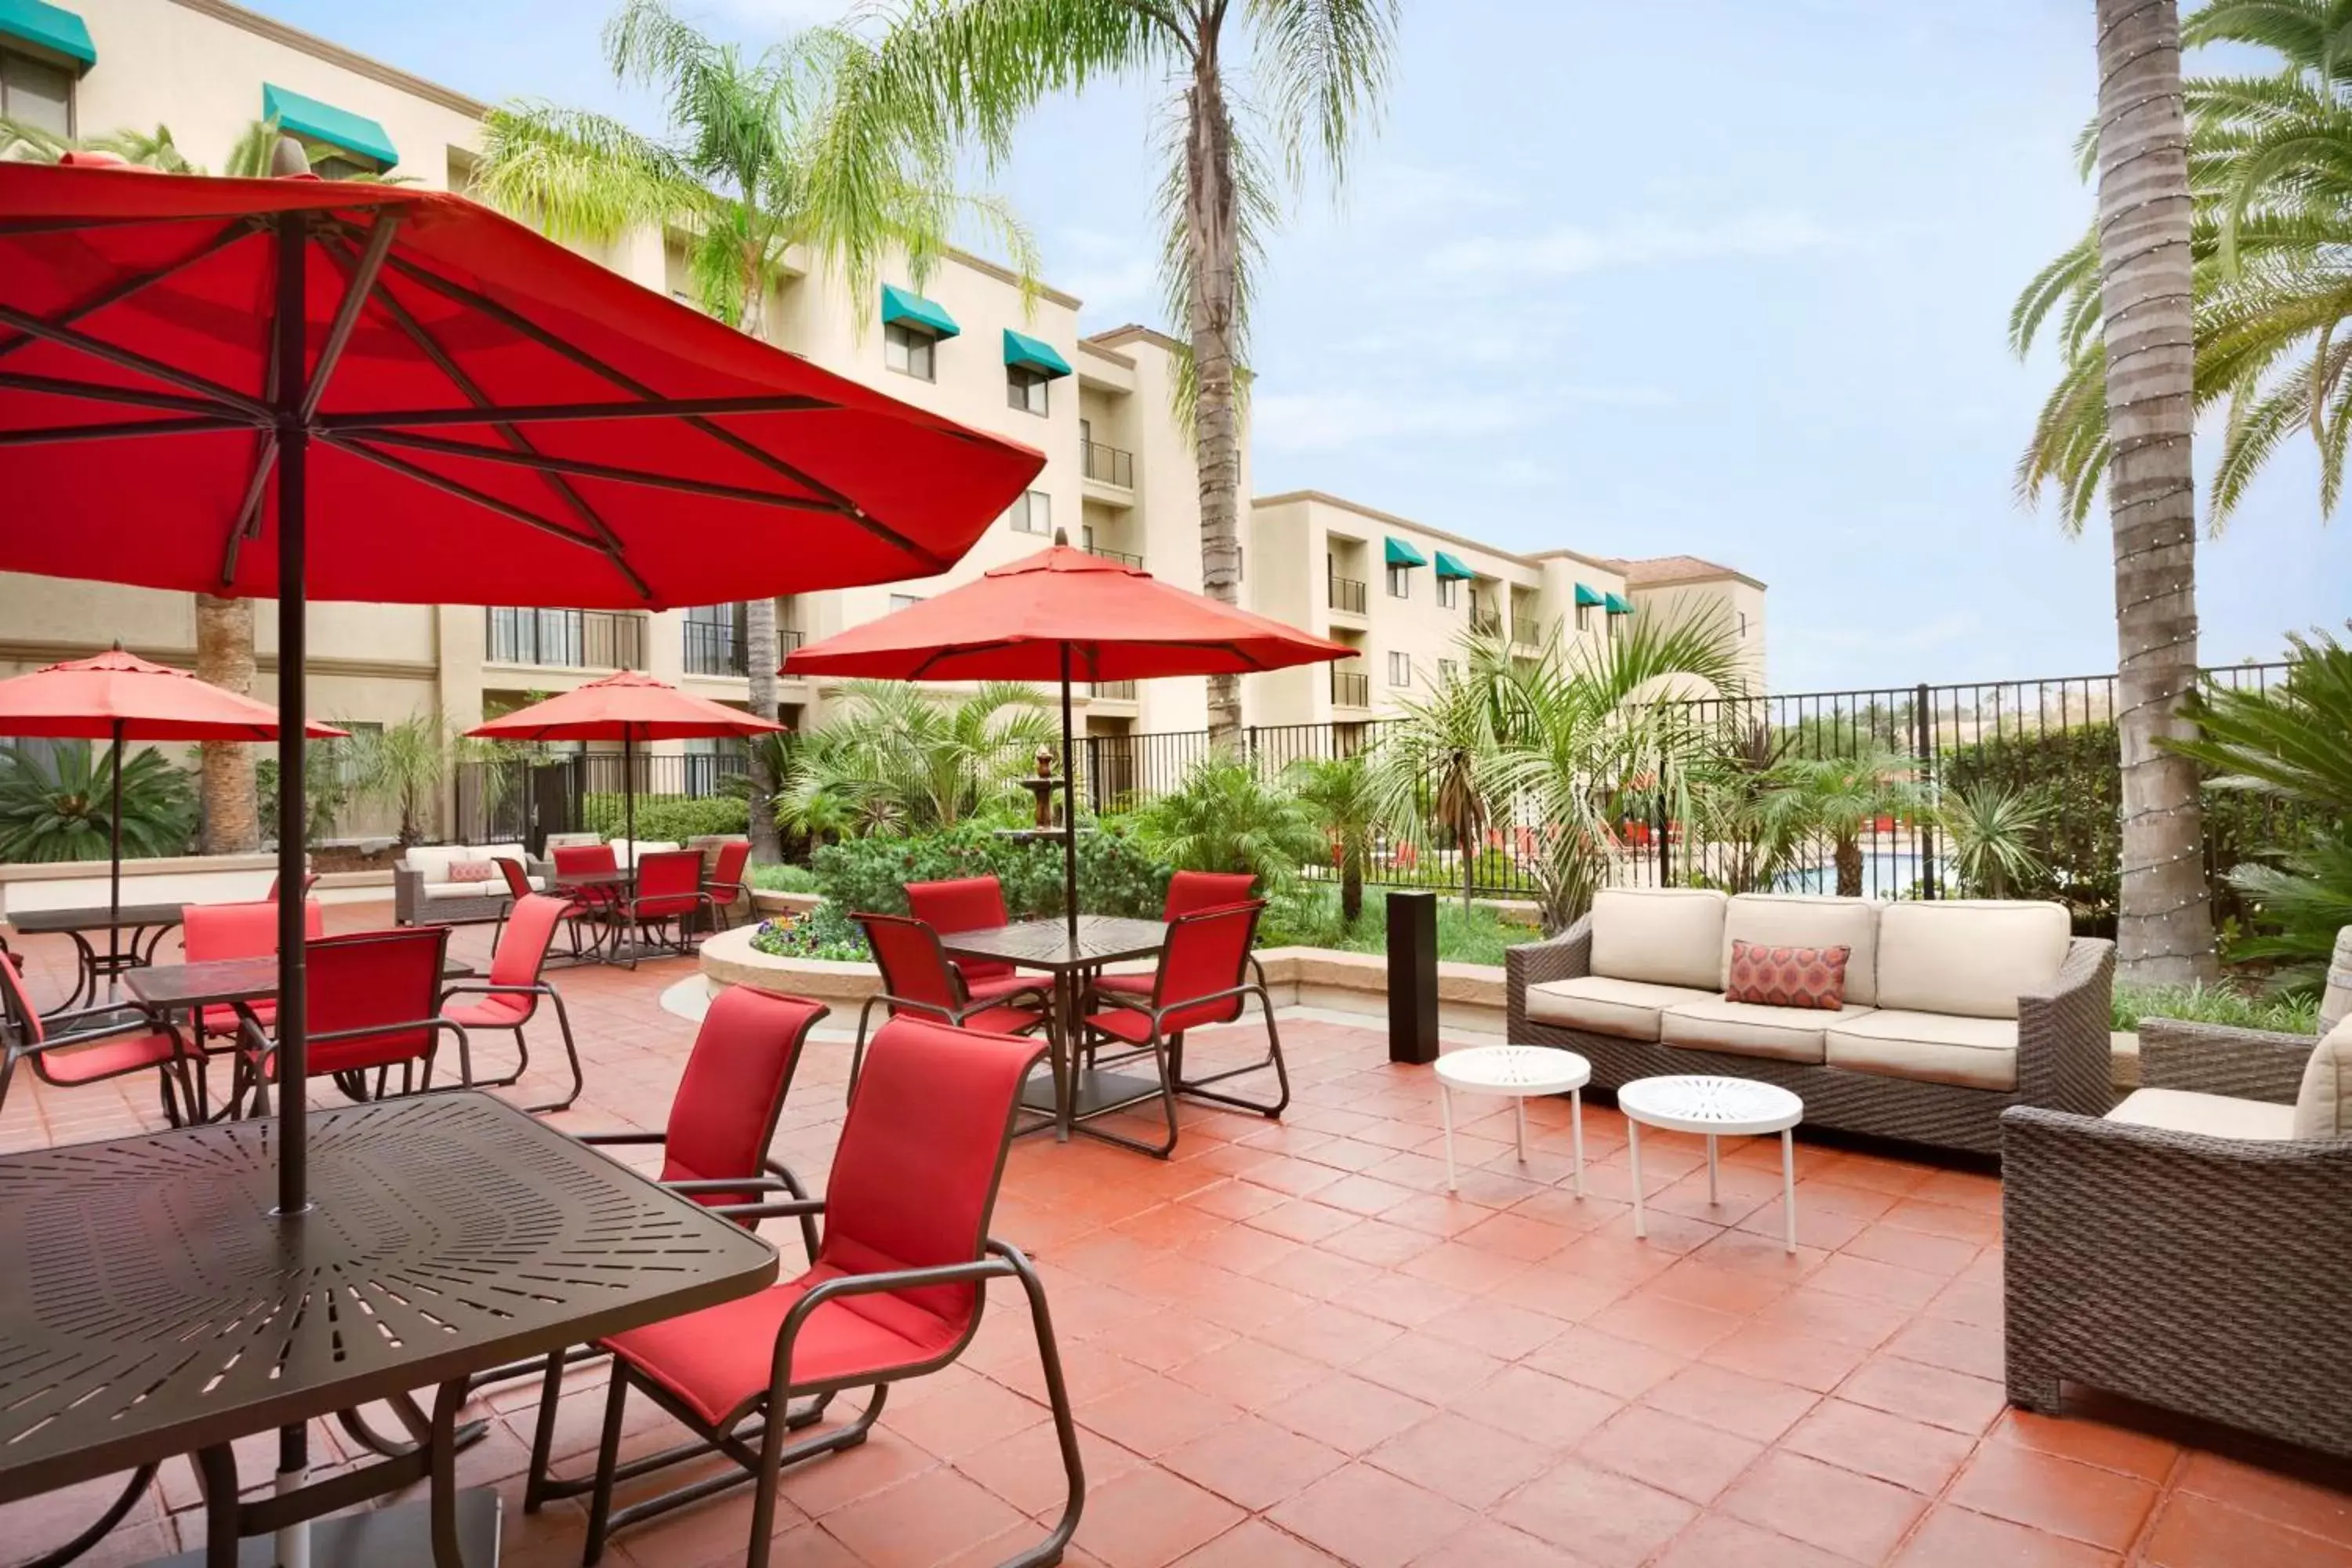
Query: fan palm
<point>1262,91</point>
<point>764,154</point>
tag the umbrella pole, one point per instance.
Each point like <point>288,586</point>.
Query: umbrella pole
<point>114,874</point>
<point>1070,810</point>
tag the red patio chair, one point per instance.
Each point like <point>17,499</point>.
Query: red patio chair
<point>509,998</point>
<point>917,978</point>
<point>67,1050</point>
<point>309,880</point>
<point>669,888</point>
<point>587,860</point>
<point>896,1292</point>
<point>973,904</point>
<point>374,1004</point>
<point>213,932</point>
<point>1202,980</point>
<point>1189,892</point>
<point>576,907</point>
<point>727,884</point>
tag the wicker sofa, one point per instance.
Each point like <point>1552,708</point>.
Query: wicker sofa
<point>423,892</point>
<point>1954,1010</point>
<point>2190,1249</point>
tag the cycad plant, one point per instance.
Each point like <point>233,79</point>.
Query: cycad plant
<point>1225,817</point>
<point>57,802</point>
<point>1260,93</point>
<point>1342,797</point>
<point>763,154</point>
<point>898,759</point>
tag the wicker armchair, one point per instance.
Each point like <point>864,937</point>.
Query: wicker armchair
<point>2064,1058</point>
<point>2198,1273</point>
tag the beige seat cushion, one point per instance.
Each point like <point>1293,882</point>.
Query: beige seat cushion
<point>1627,1008</point>
<point>2323,1106</point>
<point>1790,920</point>
<point>1744,1029</point>
<point>1971,957</point>
<point>1662,936</point>
<point>496,888</point>
<point>2215,1115</point>
<point>433,860</point>
<point>1939,1047</point>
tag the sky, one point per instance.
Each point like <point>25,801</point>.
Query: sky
<point>1703,276</point>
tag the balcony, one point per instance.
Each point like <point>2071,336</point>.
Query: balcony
<point>1111,690</point>
<point>1122,556</point>
<point>1350,689</point>
<point>1348,596</point>
<point>1107,465</point>
<point>564,639</point>
<point>716,648</point>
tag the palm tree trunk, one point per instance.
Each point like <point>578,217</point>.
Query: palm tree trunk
<point>1210,245</point>
<point>1352,886</point>
<point>225,659</point>
<point>760,662</point>
<point>2164,928</point>
<point>1848,859</point>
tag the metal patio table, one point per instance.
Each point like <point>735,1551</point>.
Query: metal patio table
<point>1070,956</point>
<point>153,1304</point>
<point>145,923</point>
<point>611,886</point>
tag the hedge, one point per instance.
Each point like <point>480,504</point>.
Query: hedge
<point>674,818</point>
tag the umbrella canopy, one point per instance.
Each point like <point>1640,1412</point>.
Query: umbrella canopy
<point>491,418</point>
<point>119,696</point>
<point>1060,615</point>
<point>624,707</point>
<point>1119,622</point>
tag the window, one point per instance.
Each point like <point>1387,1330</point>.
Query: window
<point>1400,582</point>
<point>1446,670</point>
<point>908,351</point>
<point>35,93</point>
<point>902,601</point>
<point>1743,623</point>
<point>1449,593</point>
<point>1583,617</point>
<point>1032,512</point>
<point>1025,389</point>
<point>1400,667</point>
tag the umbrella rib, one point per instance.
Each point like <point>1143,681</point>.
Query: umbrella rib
<point>629,383</point>
<point>116,292</point>
<point>126,359</point>
<point>54,434</point>
<point>567,412</point>
<point>584,470</point>
<point>58,386</point>
<point>473,393</point>
<point>248,513</point>
<point>505,508</point>
<point>357,287</point>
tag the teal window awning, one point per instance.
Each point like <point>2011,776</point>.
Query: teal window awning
<point>50,27</point>
<point>1400,554</point>
<point>1449,566</point>
<point>311,121</point>
<point>1033,353</point>
<point>1585,597</point>
<point>905,305</point>
<point>1618,606</point>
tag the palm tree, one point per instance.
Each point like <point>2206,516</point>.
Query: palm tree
<point>1837,799</point>
<point>1320,68</point>
<point>1226,816</point>
<point>897,760</point>
<point>764,154</point>
<point>1434,766</point>
<point>1343,796</point>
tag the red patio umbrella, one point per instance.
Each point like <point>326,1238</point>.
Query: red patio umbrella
<point>1056,613</point>
<point>119,697</point>
<point>627,708</point>
<point>298,387</point>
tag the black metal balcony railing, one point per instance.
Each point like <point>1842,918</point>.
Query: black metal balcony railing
<point>1348,596</point>
<point>788,639</point>
<point>565,639</point>
<point>1350,689</point>
<point>1122,556</point>
<point>716,648</point>
<point>1112,691</point>
<point>1108,465</point>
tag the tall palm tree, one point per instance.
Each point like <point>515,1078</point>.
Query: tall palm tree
<point>2164,925</point>
<point>763,154</point>
<point>1319,68</point>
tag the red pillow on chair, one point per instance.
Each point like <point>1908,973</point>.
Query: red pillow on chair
<point>1768,976</point>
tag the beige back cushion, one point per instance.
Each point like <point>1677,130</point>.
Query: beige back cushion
<point>434,859</point>
<point>2323,1109</point>
<point>1666,936</point>
<point>1775,919</point>
<point>1973,958</point>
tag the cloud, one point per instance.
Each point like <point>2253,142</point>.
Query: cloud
<point>1571,249</point>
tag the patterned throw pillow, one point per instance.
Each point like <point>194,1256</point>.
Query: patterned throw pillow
<point>472,871</point>
<point>1770,976</point>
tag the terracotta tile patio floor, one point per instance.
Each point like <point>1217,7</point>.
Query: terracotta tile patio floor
<point>1289,1346</point>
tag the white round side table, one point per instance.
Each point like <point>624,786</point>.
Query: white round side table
<point>1516,1072</point>
<point>1715,1107</point>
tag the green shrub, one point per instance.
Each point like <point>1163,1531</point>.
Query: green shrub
<point>672,818</point>
<point>1309,916</point>
<point>783,879</point>
<point>2215,1005</point>
<point>1115,876</point>
<point>57,803</point>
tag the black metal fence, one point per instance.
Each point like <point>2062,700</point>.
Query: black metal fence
<point>522,801</point>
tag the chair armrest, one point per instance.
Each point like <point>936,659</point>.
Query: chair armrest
<point>1568,956</point>
<point>980,1270</point>
<point>58,1028</point>
<point>2215,1058</point>
<point>407,892</point>
<point>2065,1060</point>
